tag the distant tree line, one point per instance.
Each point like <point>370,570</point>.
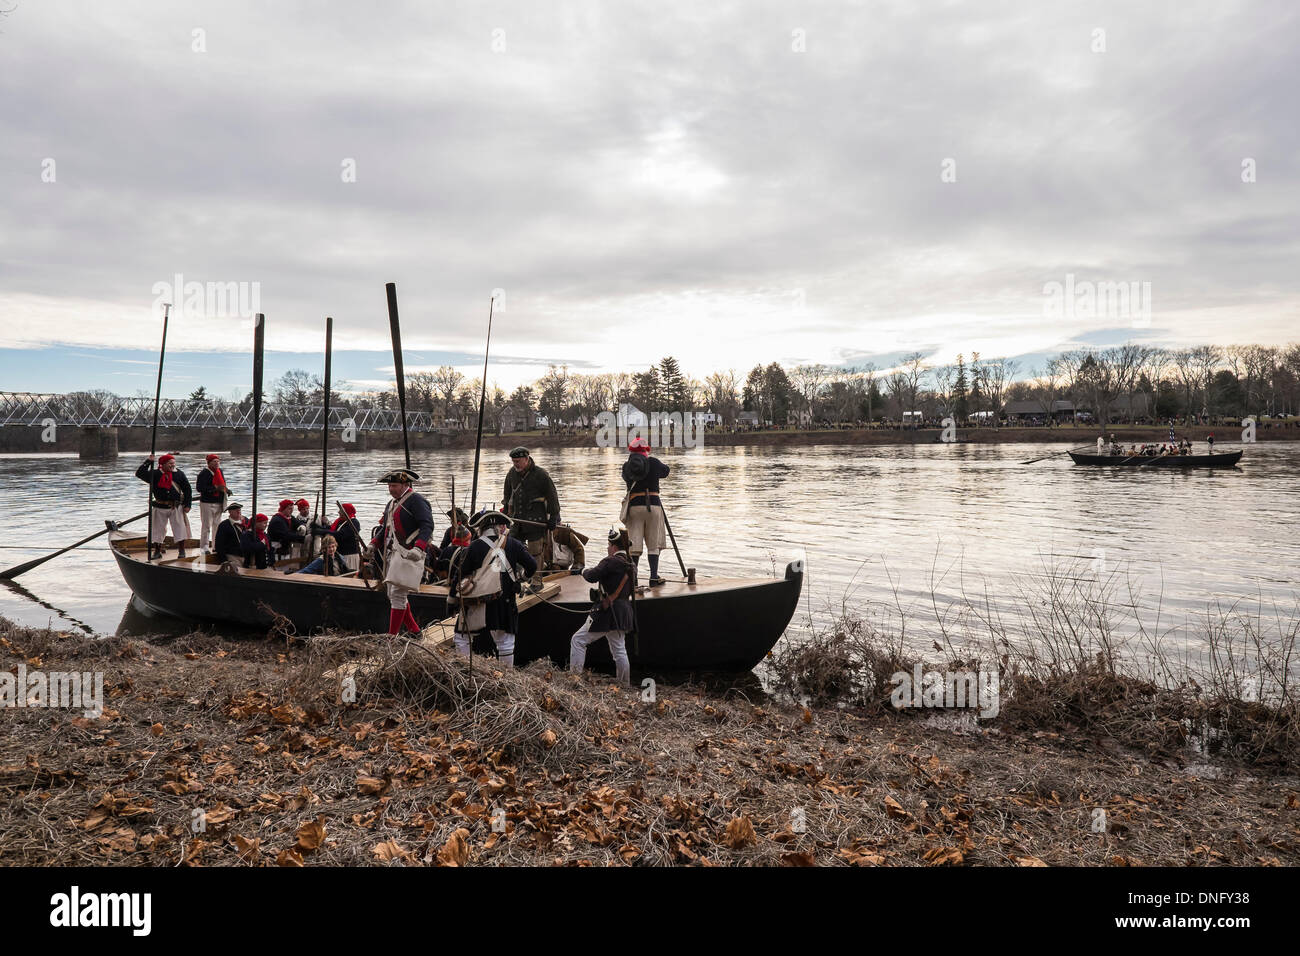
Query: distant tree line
<point>1128,383</point>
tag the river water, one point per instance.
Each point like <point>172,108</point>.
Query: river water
<point>931,529</point>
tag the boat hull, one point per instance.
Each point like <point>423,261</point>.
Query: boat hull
<point>715,626</point>
<point>1224,460</point>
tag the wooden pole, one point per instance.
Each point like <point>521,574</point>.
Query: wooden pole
<point>259,341</point>
<point>153,434</point>
<point>482,399</point>
<point>325,426</point>
<point>395,327</point>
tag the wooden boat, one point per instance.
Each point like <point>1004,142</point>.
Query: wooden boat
<point>715,625</point>
<point>1219,460</point>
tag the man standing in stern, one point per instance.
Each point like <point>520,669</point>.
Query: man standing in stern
<point>531,501</point>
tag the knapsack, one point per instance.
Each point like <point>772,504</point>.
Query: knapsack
<point>638,466</point>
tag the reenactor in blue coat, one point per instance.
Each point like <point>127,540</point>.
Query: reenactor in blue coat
<point>484,577</point>
<point>407,527</point>
<point>611,617</point>
<point>329,563</point>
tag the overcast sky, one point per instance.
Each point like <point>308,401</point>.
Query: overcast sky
<point>729,183</point>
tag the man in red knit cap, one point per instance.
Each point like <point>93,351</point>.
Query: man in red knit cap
<point>169,502</point>
<point>645,511</point>
<point>213,495</point>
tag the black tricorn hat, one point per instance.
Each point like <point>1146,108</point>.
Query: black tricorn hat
<point>520,452</point>
<point>458,516</point>
<point>404,475</point>
<point>490,517</point>
<point>234,505</point>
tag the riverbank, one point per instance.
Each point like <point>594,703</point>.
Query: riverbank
<point>133,442</point>
<point>211,752</point>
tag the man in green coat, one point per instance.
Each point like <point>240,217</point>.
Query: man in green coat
<point>530,496</point>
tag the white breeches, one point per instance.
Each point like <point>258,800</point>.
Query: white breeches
<point>645,528</point>
<point>617,650</point>
<point>504,640</point>
<point>163,518</point>
<point>397,595</point>
<point>210,513</point>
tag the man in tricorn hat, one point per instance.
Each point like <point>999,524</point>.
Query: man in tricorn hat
<point>612,617</point>
<point>458,520</point>
<point>485,581</point>
<point>404,535</point>
<point>531,501</point>
<point>226,543</point>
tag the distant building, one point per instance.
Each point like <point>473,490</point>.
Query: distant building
<point>748,419</point>
<point>516,418</point>
<point>1035,409</point>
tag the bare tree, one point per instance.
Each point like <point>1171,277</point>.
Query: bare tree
<point>723,390</point>
<point>445,381</point>
<point>997,374</point>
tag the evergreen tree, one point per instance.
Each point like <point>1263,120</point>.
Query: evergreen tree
<point>959,391</point>
<point>648,390</point>
<point>672,384</point>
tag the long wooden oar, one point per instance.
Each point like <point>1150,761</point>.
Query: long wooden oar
<point>482,400</point>
<point>673,538</point>
<point>395,328</point>
<point>153,433</point>
<point>22,568</point>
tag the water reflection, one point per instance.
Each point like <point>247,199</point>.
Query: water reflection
<point>918,526</point>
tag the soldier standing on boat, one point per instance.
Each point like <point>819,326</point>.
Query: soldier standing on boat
<point>530,498</point>
<point>403,537</point>
<point>485,580</point>
<point>169,502</point>
<point>213,494</point>
<point>644,514</point>
<point>226,542</point>
<point>256,545</point>
<point>612,616</point>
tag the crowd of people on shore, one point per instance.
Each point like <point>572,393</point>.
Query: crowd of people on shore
<point>485,561</point>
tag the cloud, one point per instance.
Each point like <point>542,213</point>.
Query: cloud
<point>668,179</point>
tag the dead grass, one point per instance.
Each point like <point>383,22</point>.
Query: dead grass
<point>215,752</point>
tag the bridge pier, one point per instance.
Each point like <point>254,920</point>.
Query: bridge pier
<point>241,443</point>
<point>359,443</point>
<point>97,443</point>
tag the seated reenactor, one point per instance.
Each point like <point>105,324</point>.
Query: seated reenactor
<point>227,542</point>
<point>256,545</point>
<point>280,531</point>
<point>347,532</point>
<point>329,563</point>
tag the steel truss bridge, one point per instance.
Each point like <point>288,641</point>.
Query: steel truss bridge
<point>34,409</point>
